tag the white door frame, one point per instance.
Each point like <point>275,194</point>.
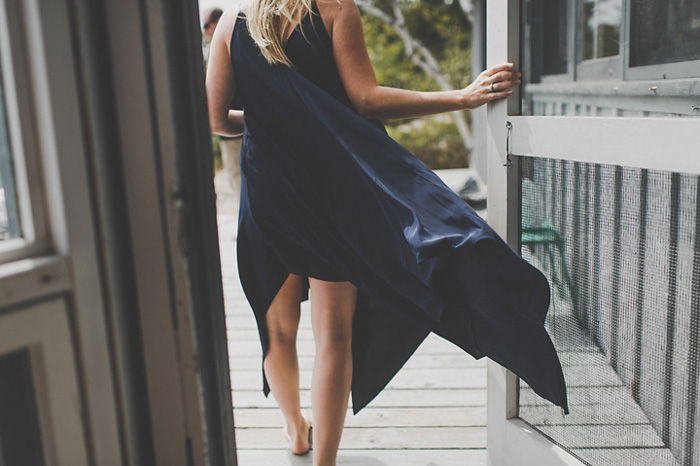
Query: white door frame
<point>649,143</point>
<point>165,143</point>
<point>114,289</point>
<point>510,440</point>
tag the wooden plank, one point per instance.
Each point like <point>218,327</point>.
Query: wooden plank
<point>394,438</point>
<point>427,457</point>
<point>571,357</point>
<point>417,361</point>
<point>458,360</point>
<point>432,346</point>
<point>386,399</point>
<point>643,436</point>
<point>628,456</point>
<point>378,417</point>
<point>238,310</point>
<point>582,376</point>
<point>251,334</point>
<point>582,396</point>
<point>599,413</point>
<point>240,322</point>
<point>243,329</point>
<point>252,348</point>
<point>405,379</point>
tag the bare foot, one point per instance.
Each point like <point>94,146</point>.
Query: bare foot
<point>298,436</point>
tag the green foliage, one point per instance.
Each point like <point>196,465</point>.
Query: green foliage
<point>216,150</point>
<point>443,28</point>
<point>391,64</point>
<point>434,140</point>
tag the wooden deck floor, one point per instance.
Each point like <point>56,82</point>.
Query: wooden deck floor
<point>432,414</point>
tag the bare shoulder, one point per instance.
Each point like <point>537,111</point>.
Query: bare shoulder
<point>334,10</point>
<point>228,19</point>
<point>335,5</point>
<point>224,29</point>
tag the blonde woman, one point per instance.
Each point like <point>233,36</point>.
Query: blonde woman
<point>330,204</point>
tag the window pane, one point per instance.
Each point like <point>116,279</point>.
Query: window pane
<point>9,212</point>
<point>600,26</point>
<point>554,35</point>
<point>664,32</point>
<point>20,436</point>
<point>546,24</point>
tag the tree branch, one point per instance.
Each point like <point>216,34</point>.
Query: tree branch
<point>420,56</point>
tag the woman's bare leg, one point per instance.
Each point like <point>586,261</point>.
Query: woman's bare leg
<point>281,363</point>
<point>332,310</point>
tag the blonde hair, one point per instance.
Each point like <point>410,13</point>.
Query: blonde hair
<point>269,20</point>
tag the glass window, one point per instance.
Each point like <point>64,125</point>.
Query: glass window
<point>544,36</point>
<point>554,34</point>
<point>9,211</point>
<point>601,20</point>
<point>664,32</point>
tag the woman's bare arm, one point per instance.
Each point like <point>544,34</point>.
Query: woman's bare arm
<point>374,101</point>
<point>220,81</point>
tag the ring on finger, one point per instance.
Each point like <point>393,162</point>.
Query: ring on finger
<point>491,87</point>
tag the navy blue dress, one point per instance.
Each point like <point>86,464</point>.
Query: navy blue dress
<point>327,194</point>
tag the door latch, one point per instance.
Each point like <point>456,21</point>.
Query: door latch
<point>509,132</point>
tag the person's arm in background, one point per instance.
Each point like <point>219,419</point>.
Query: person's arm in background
<point>220,81</point>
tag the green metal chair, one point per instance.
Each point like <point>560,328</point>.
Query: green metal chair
<point>546,235</point>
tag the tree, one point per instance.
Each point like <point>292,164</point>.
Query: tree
<point>432,35</point>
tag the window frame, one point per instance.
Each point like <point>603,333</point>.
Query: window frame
<point>676,70</point>
<point>16,81</point>
<point>54,373</point>
<point>617,67</point>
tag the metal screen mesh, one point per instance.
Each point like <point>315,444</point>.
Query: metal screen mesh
<point>621,248</point>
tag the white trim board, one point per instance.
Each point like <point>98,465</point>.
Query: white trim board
<point>671,144</point>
